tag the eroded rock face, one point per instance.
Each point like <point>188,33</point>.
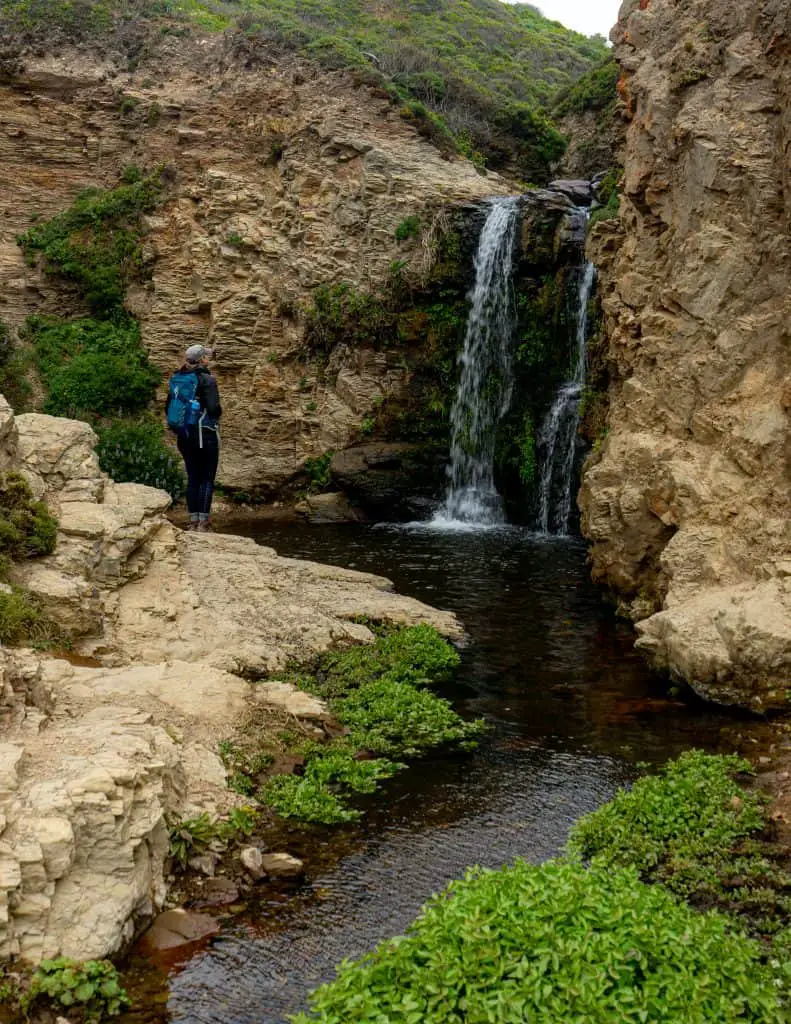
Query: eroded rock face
<point>687,503</point>
<point>280,177</point>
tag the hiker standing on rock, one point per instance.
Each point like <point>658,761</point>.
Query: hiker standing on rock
<point>193,412</point>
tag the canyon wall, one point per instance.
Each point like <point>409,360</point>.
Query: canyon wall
<point>687,499</point>
<point>280,178</point>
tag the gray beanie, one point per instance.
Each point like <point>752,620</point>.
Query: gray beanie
<point>195,353</point>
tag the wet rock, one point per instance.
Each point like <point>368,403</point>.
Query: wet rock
<point>329,508</point>
<point>252,861</point>
<point>282,865</point>
<point>384,479</point>
<point>218,892</point>
<point>177,928</point>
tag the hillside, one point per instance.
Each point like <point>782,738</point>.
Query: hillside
<point>475,76</point>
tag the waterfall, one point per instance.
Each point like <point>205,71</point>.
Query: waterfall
<point>486,379</point>
<point>557,438</point>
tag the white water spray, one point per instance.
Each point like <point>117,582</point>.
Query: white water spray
<point>557,439</point>
<point>486,380</point>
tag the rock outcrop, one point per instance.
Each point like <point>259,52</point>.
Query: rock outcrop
<point>687,503</point>
<point>98,750</point>
<point>280,178</point>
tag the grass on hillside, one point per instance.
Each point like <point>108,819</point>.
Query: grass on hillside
<point>477,75</point>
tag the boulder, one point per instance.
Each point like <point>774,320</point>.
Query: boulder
<point>579,192</point>
<point>282,865</point>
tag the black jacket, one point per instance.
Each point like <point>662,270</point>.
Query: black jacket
<point>208,393</point>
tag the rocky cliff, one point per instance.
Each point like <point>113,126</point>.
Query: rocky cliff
<point>281,178</point>
<point>99,749</point>
<point>687,502</point>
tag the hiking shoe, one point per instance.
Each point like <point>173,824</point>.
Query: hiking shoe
<point>204,526</point>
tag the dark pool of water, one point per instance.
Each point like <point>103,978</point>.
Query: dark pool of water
<point>572,709</point>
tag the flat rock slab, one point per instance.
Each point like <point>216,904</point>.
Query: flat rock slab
<point>177,928</point>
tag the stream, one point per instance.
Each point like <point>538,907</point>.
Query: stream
<point>572,710</point>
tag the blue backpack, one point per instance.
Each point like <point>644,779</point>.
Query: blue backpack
<point>184,411</point>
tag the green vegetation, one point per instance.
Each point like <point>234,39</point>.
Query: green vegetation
<point>94,367</point>
<point>408,228</point>
<point>27,530</point>
<point>331,775</point>
<point>95,244</point>
<point>134,451</point>
<point>378,691</point>
<point>319,472</point>
<point>340,314</point>
<point>90,987</point>
<point>189,837</point>
<point>475,76</point>
<point>609,197</point>
<point>694,829</point>
<point>595,90</point>
<point>14,385</point>
<point>563,941</point>
<point>552,943</point>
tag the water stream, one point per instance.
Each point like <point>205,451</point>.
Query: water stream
<point>558,441</point>
<point>572,708</point>
<point>486,378</point>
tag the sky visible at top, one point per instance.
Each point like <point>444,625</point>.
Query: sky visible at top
<point>586,16</point>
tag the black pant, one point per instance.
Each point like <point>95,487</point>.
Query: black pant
<point>201,466</point>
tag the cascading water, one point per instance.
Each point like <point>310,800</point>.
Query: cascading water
<point>486,381</point>
<point>557,439</point>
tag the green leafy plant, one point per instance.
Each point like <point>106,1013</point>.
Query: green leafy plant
<point>329,777</point>
<point>408,228</point>
<point>319,471</point>
<point>27,527</point>
<point>698,832</point>
<point>14,385</point>
<point>134,451</point>
<point>95,244</point>
<point>556,942</point>
<point>378,691</point>
<point>91,987</point>
<point>341,315</point>
<point>190,837</point>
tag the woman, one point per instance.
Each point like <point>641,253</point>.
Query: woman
<point>193,412</point>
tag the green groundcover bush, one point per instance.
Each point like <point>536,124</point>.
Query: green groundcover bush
<point>557,944</point>
<point>379,692</point>
<point>134,451</point>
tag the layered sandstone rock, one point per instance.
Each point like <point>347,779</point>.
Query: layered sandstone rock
<point>96,752</point>
<point>688,502</point>
<point>280,178</point>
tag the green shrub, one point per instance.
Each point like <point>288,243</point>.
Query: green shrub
<point>92,368</point>
<point>556,943</point>
<point>408,228</point>
<point>27,528</point>
<point>595,90</point>
<point>330,776</point>
<point>374,691</point>
<point>14,385</point>
<point>95,244</point>
<point>90,987</point>
<point>697,831</point>
<point>394,718</point>
<point>417,655</point>
<point>76,18</point>
<point>21,620</point>
<point>341,315</point>
<point>319,471</point>
<point>134,451</point>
